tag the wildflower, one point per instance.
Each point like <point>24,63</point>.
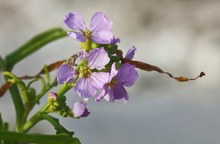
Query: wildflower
<point>90,79</point>
<point>80,109</point>
<point>99,32</point>
<point>114,90</point>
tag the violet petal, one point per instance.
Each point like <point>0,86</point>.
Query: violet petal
<point>102,93</point>
<point>79,36</point>
<point>65,74</point>
<point>113,72</point>
<point>119,92</point>
<point>127,75</point>
<point>109,97</point>
<point>84,88</point>
<point>99,79</point>
<point>115,40</point>
<point>102,37</point>
<point>130,53</point>
<point>100,22</point>
<point>98,58</point>
<point>75,21</point>
<point>80,110</point>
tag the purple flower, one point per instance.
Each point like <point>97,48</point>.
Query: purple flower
<point>80,110</point>
<point>130,53</point>
<point>114,90</point>
<point>90,80</point>
<point>100,28</point>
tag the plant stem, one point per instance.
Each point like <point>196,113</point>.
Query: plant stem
<point>64,89</point>
<point>35,119</point>
<point>18,103</point>
<point>38,116</point>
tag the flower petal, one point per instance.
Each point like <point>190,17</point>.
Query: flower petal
<point>80,110</point>
<point>75,21</point>
<point>66,74</point>
<point>77,36</point>
<point>100,22</point>
<point>113,72</point>
<point>82,55</point>
<point>119,92</point>
<point>84,88</point>
<point>102,93</point>
<point>109,97</point>
<point>98,58</point>
<point>99,79</point>
<point>115,40</point>
<point>127,75</point>
<point>102,37</point>
<point>130,53</point>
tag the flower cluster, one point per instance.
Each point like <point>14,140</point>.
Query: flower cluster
<point>96,70</point>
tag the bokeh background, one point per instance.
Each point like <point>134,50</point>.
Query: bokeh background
<point>180,36</point>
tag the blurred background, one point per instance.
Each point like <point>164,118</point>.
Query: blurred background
<point>180,36</point>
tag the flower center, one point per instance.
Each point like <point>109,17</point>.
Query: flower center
<point>84,72</point>
<point>87,33</point>
<point>113,82</point>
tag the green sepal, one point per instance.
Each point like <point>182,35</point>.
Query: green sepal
<point>89,45</point>
<point>110,48</point>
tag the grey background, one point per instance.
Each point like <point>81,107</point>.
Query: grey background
<point>180,36</point>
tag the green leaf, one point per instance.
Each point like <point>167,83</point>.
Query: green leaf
<point>1,122</point>
<point>33,45</point>
<point>38,138</point>
<point>55,122</point>
<point>2,64</point>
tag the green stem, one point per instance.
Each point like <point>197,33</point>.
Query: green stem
<point>18,103</point>
<point>46,89</point>
<point>38,138</point>
<point>35,119</point>
<point>64,89</point>
<point>33,45</point>
<point>19,54</point>
<point>16,97</point>
<point>38,117</point>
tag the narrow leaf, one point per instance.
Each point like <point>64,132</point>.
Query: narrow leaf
<point>33,45</point>
<point>149,67</point>
<point>38,138</point>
